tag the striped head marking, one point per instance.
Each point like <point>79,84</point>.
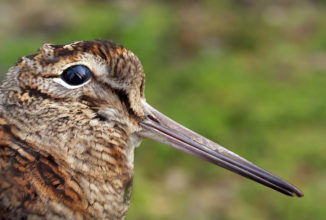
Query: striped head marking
<point>83,71</point>
<point>76,102</point>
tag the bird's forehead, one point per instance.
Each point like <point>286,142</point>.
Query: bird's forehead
<point>102,48</point>
<point>55,58</point>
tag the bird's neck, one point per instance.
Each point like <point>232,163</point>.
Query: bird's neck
<point>105,178</point>
<point>92,180</point>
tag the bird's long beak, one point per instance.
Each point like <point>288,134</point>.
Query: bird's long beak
<point>160,128</point>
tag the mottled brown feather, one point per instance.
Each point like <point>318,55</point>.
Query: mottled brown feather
<point>29,179</point>
<point>67,153</point>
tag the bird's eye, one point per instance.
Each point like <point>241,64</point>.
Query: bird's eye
<point>76,75</point>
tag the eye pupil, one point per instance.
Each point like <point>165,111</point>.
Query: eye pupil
<point>76,75</point>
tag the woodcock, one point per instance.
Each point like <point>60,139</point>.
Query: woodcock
<point>70,118</point>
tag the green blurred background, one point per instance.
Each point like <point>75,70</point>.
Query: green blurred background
<point>250,75</point>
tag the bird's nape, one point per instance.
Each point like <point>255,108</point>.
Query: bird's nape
<point>160,128</point>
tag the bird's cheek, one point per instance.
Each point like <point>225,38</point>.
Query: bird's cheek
<point>135,102</point>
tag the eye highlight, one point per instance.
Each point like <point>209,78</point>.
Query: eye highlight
<point>76,75</point>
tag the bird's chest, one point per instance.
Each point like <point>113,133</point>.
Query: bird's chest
<point>109,200</point>
<point>109,186</point>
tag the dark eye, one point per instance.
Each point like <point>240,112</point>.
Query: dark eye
<point>76,75</point>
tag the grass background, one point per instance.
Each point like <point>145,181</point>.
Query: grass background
<point>250,75</point>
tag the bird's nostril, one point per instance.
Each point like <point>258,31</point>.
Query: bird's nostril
<point>153,119</point>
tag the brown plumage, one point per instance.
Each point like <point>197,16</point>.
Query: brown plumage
<point>66,150</point>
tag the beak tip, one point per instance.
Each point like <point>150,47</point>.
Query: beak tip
<point>299,194</point>
<point>296,193</point>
